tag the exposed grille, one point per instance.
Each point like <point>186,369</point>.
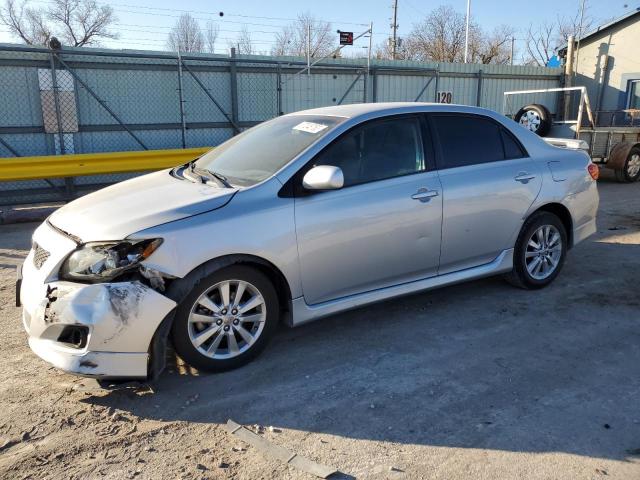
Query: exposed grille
<point>40,255</point>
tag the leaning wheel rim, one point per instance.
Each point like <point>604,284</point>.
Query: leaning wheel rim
<point>227,319</point>
<point>633,165</point>
<point>530,120</point>
<point>543,252</point>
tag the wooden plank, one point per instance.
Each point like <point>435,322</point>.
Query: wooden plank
<point>279,452</point>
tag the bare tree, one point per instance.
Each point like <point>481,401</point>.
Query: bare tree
<point>186,35</point>
<point>76,22</point>
<point>405,50</point>
<point>243,43</point>
<point>577,25</point>
<point>210,37</point>
<point>294,38</point>
<point>540,44</point>
<point>26,23</point>
<point>494,47</point>
<point>439,37</point>
<point>544,39</point>
<point>84,21</point>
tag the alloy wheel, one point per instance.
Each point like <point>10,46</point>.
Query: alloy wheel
<point>543,252</point>
<point>227,319</point>
<point>530,120</point>
<point>633,165</point>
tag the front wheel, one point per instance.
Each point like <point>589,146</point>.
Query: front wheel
<point>226,320</point>
<point>539,252</point>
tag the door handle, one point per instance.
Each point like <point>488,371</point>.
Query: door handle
<point>424,195</point>
<point>524,177</point>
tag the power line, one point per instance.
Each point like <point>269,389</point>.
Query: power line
<point>157,40</point>
<point>118,28</point>
<point>171,27</point>
<point>208,12</point>
<point>116,6</point>
<point>421,12</point>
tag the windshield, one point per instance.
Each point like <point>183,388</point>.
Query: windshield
<point>261,151</point>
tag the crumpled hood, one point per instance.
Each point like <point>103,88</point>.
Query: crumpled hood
<point>119,210</point>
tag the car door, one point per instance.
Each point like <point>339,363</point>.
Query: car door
<point>488,182</point>
<point>383,227</point>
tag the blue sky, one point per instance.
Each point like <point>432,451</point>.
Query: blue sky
<point>143,24</point>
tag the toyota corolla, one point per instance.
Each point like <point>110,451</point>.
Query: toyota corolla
<point>300,217</point>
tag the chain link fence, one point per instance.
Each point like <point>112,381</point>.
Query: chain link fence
<point>90,100</point>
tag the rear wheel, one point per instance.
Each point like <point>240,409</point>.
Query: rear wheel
<point>535,117</point>
<point>630,171</point>
<point>226,320</point>
<point>540,251</point>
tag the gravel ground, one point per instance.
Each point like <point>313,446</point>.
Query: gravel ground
<point>478,380</point>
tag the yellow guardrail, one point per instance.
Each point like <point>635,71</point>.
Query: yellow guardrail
<point>73,165</point>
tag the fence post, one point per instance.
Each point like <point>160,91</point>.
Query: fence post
<point>479,92</point>
<point>365,86</point>
<point>234,88</point>
<point>435,95</point>
<point>279,88</point>
<point>68,182</point>
<point>181,98</point>
<point>374,85</point>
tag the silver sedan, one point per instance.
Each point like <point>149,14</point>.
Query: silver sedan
<point>300,217</point>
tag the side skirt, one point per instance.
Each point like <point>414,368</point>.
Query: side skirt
<point>303,313</point>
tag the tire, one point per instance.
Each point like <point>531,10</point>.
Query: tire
<point>207,344</point>
<point>535,117</point>
<point>521,275</point>
<point>630,172</point>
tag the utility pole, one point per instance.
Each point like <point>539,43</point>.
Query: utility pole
<point>366,83</point>
<point>369,49</point>
<point>394,30</point>
<point>466,35</point>
<point>513,40</point>
<point>568,75</point>
<point>309,48</point>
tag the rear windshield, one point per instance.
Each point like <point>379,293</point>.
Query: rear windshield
<point>261,151</point>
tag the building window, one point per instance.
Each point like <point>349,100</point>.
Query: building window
<point>633,101</point>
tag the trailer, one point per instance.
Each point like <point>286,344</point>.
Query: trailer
<point>612,146</point>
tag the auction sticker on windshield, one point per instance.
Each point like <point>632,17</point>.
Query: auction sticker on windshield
<point>310,127</point>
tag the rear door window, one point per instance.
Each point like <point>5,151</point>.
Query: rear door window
<point>472,139</point>
<point>512,148</point>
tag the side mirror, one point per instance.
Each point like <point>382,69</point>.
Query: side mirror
<point>323,177</point>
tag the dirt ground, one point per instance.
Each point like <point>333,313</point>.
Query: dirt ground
<point>478,380</point>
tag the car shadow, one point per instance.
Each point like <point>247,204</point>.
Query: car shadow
<point>476,365</point>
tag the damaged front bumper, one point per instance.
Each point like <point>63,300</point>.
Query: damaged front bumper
<point>99,330</point>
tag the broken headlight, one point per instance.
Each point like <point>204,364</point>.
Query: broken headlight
<point>103,261</point>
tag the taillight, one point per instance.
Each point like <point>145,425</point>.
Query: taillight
<point>594,171</point>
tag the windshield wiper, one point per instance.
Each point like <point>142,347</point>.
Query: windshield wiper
<point>209,175</point>
<point>221,178</point>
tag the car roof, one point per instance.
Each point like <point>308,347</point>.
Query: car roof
<point>359,109</point>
